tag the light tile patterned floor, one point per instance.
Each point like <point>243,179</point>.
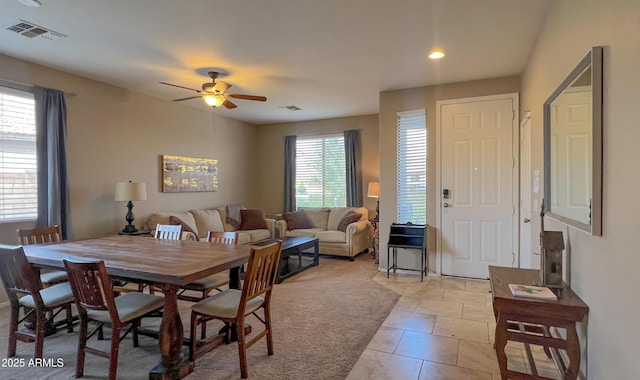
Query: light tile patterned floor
<point>440,329</point>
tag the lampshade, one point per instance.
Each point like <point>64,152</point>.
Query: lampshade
<point>131,191</point>
<point>214,100</point>
<point>374,190</point>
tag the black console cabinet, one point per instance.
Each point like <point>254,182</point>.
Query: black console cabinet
<point>408,236</point>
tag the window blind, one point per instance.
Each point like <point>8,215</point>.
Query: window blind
<point>18,166</point>
<point>321,172</point>
<point>412,167</point>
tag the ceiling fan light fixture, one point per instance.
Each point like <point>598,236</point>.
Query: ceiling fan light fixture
<point>436,54</point>
<point>214,100</point>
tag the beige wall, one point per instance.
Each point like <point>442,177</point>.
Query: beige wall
<point>602,268</point>
<point>271,153</point>
<point>421,98</point>
<point>117,135</point>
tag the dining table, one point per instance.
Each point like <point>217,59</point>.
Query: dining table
<point>167,264</point>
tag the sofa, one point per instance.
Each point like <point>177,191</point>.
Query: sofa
<point>196,223</point>
<point>341,231</point>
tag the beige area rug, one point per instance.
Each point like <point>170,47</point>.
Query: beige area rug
<point>323,317</point>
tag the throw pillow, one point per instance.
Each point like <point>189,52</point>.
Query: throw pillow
<point>349,218</point>
<point>297,220</point>
<point>252,220</point>
<point>174,220</point>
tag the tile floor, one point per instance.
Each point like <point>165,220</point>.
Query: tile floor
<point>440,329</point>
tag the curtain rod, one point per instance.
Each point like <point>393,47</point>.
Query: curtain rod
<point>323,133</point>
<point>25,86</point>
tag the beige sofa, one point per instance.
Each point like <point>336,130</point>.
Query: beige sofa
<point>200,221</point>
<point>357,238</point>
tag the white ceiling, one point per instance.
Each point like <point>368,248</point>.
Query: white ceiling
<point>331,58</point>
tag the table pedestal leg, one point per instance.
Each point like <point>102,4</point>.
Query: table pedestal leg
<point>172,365</point>
<point>234,278</point>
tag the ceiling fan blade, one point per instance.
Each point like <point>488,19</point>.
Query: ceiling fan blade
<point>175,85</point>
<point>248,97</point>
<point>229,104</point>
<point>191,97</point>
<point>221,87</point>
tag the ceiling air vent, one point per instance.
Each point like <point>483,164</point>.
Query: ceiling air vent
<point>291,108</point>
<point>31,30</point>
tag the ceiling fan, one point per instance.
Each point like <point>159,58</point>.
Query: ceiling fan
<point>213,93</point>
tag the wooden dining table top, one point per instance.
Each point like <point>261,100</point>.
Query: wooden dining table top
<point>176,262</point>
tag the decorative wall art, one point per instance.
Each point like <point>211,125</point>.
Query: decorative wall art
<point>188,174</point>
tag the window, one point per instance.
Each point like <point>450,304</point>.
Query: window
<point>18,166</point>
<point>321,172</point>
<point>412,167</point>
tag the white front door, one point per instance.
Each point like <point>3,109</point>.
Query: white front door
<point>477,170</point>
<point>525,191</point>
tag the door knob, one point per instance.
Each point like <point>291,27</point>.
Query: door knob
<point>527,220</point>
<point>445,205</point>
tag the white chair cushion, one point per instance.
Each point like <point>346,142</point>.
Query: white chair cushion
<point>54,276</point>
<point>225,304</point>
<point>208,282</point>
<point>51,297</point>
<point>130,306</point>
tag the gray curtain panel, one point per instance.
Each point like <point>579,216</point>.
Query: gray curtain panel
<point>289,173</point>
<point>353,160</point>
<point>51,139</point>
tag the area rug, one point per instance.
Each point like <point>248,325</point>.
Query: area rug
<point>323,318</point>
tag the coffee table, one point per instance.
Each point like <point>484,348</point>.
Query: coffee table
<point>292,259</point>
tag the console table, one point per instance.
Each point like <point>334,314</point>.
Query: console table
<point>408,236</point>
<point>529,321</point>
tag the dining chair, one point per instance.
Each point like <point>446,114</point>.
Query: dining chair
<point>92,289</point>
<point>232,306</point>
<point>208,284</point>
<point>40,236</point>
<point>25,292</point>
<point>168,231</point>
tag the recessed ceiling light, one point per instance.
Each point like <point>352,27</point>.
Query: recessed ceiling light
<point>30,3</point>
<point>436,54</point>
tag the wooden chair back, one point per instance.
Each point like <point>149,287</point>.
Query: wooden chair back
<point>39,235</point>
<point>168,232</point>
<point>18,276</point>
<point>91,286</point>
<point>228,237</point>
<point>260,274</point>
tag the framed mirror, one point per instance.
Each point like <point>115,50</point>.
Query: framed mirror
<point>573,147</point>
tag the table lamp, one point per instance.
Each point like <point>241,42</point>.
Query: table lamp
<point>374,192</point>
<point>128,192</point>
